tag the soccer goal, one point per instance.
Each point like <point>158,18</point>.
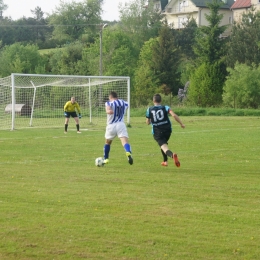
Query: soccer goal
<point>32,100</point>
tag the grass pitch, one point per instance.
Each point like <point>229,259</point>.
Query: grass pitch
<point>56,204</point>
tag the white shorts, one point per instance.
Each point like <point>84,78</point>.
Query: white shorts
<point>117,129</point>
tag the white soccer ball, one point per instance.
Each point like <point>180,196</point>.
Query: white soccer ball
<point>99,162</point>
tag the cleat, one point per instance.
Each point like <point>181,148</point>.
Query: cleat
<point>176,161</point>
<point>164,163</point>
<point>130,158</point>
<point>65,132</point>
<point>78,132</point>
<point>106,161</point>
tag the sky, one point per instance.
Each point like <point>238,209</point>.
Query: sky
<point>19,8</point>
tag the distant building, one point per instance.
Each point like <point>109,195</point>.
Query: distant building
<point>243,6</point>
<point>177,12</point>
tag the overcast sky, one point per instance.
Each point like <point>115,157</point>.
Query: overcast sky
<point>19,8</point>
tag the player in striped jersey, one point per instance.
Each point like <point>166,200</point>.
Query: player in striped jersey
<point>157,115</point>
<point>115,109</point>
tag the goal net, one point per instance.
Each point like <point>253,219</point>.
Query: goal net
<point>32,100</point>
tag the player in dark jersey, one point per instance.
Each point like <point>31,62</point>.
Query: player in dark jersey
<point>158,116</point>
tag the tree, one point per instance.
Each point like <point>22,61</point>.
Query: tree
<point>157,69</point>
<point>73,19</point>
<point>5,28</point>
<point>41,29</point>
<point>7,31</point>
<point>25,30</point>
<point>140,20</point>
<point>145,83</point>
<point>210,46</point>
<point>206,84</point>
<point>3,7</point>
<point>166,60</point>
<point>242,87</point>
<point>243,46</point>
<point>185,39</point>
<point>119,54</point>
<point>18,58</point>
<point>66,60</point>
<point>33,30</point>
<point>38,13</point>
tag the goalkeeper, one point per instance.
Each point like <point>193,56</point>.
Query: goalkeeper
<point>70,111</point>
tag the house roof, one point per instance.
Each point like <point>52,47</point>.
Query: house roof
<point>203,3</point>
<point>241,4</point>
<point>164,3</point>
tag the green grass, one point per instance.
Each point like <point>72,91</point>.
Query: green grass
<point>48,51</point>
<point>55,204</point>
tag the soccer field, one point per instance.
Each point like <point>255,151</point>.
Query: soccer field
<point>56,204</point>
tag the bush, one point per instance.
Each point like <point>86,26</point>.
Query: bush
<point>242,87</point>
<point>206,85</point>
<point>189,111</point>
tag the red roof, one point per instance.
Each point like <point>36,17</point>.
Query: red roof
<point>241,4</point>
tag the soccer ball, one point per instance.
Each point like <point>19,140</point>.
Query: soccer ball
<point>99,162</point>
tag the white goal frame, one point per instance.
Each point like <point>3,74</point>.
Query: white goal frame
<point>100,84</point>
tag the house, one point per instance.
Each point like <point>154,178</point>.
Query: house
<point>177,12</point>
<point>243,6</point>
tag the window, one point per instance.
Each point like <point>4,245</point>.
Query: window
<point>183,4</point>
<point>182,21</point>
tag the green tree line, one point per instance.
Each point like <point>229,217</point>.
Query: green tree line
<point>219,71</point>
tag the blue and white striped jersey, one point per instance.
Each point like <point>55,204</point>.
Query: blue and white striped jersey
<point>119,107</point>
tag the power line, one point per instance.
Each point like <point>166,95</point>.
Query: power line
<point>46,25</point>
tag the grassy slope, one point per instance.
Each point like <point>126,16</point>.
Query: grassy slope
<point>55,204</point>
<point>47,51</point>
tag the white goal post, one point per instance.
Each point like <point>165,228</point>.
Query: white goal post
<point>37,100</point>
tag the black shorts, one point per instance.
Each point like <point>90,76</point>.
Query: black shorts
<point>162,136</point>
<point>71,114</point>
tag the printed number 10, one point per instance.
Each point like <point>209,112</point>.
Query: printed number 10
<point>157,115</point>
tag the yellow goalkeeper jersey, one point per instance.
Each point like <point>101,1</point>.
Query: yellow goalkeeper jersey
<point>69,107</point>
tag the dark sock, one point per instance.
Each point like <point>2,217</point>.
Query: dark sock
<point>106,151</point>
<point>169,153</point>
<point>77,127</point>
<point>66,127</point>
<point>165,159</point>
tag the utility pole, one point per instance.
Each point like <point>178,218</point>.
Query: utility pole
<point>102,26</point>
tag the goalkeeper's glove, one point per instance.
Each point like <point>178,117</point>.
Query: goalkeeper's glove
<point>65,113</point>
<point>79,115</point>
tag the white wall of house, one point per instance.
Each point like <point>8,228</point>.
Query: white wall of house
<point>180,6</point>
<point>226,20</point>
<point>256,4</point>
<point>177,13</point>
<point>237,14</point>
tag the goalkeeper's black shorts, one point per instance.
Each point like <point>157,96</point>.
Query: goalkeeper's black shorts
<point>162,135</point>
<point>71,114</point>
